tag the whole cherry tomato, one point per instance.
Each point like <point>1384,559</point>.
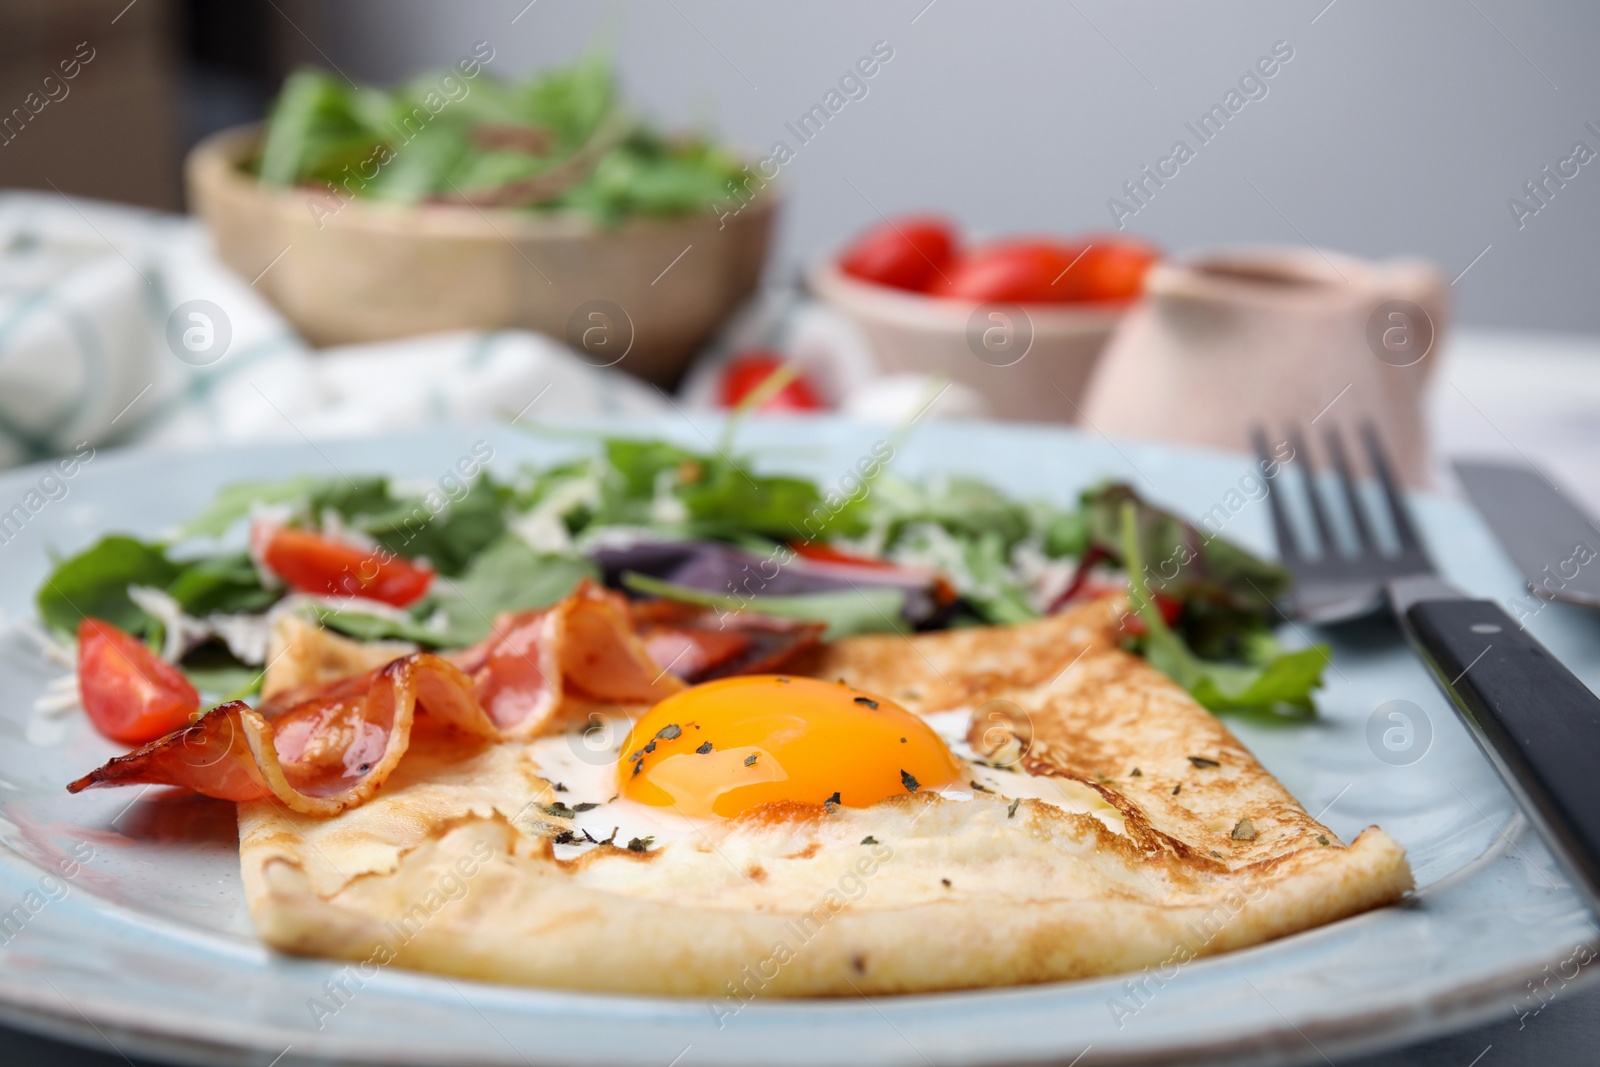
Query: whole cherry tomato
<point>129,693</point>
<point>905,253</point>
<point>319,565</point>
<point>1111,270</point>
<point>746,371</point>
<point>1012,272</point>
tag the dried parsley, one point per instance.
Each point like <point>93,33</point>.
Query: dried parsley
<point>670,732</point>
<point>1244,830</point>
<point>945,882</point>
<point>558,787</point>
<point>559,810</point>
<point>1176,788</point>
<point>651,747</point>
<point>637,767</point>
<point>1135,773</point>
<point>703,749</point>
<point>909,780</point>
<point>869,840</point>
<point>587,805</point>
<point>749,761</point>
<point>979,787</point>
<point>1012,810</point>
<point>1322,839</point>
<point>1203,763</point>
<point>867,702</point>
<point>640,844</point>
<point>833,799</point>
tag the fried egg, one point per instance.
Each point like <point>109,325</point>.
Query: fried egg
<point>721,749</point>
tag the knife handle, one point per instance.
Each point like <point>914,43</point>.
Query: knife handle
<point>1538,724</point>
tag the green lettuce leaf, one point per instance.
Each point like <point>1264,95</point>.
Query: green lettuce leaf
<point>1280,688</point>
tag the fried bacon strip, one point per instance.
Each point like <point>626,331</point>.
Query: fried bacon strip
<point>318,756</point>
<point>583,648</point>
<point>701,645</point>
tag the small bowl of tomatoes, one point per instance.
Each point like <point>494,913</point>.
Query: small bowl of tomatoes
<point>1020,320</point>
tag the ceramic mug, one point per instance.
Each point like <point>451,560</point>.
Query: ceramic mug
<point>1276,336</point>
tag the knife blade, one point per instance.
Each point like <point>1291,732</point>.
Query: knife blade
<point>1551,540</point>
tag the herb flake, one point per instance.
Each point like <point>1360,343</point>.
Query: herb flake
<point>909,780</point>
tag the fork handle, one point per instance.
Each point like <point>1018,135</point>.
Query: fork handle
<point>1538,724</point>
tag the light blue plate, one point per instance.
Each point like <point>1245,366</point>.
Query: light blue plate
<point>149,942</point>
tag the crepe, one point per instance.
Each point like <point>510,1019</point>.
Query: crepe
<point>1113,825</point>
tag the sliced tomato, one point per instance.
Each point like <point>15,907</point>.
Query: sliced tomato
<point>748,370</point>
<point>904,253</point>
<point>129,693</point>
<point>1112,270</point>
<point>311,563</point>
<point>1013,272</point>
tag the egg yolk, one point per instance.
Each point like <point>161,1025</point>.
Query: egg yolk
<point>727,746</point>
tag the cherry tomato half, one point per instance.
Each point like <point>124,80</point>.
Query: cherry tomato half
<point>314,564</point>
<point>745,373</point>
<point>1112,270</point>
<point>1013,272</point>
<point>904,253</point>
<point>130,694</point>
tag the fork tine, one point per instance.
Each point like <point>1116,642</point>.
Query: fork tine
<point>1365,541</point>
<point>1282,532</point>
<point>1399,514</point>
<point>1319,515</point>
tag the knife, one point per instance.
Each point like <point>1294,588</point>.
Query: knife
<point>1551,540</point>
<point>1533,718</point>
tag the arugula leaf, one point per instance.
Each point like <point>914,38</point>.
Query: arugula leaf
<point>506,576</point>
<point>95,583</point>
<point>227,584</point>
<point>1228,594</point>
<point>1184,562</point>
<point>1281,688</point>
<point>449,538</point>
<point>858,611</point>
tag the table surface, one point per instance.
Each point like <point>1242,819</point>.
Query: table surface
<point>1495,395</point>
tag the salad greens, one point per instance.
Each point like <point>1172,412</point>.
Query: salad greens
<point>559,141</point>
<point>655,518</point>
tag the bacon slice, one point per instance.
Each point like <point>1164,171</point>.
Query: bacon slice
<point>698,644</point>
<point>319,755</point>
<point>584,648</point>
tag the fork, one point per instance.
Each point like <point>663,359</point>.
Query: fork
<point>1535,721</point>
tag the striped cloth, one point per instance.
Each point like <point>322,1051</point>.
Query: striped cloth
<point>118,326</point>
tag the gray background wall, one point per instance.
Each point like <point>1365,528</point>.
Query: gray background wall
<point>1396,128</point>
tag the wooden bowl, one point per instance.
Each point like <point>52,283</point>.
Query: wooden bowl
<point>1029,362</point>
<point>643,295</point>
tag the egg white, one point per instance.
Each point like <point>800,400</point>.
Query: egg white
<point>581,767</point>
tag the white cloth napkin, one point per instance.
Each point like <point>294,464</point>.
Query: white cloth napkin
<point>118,325</point>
